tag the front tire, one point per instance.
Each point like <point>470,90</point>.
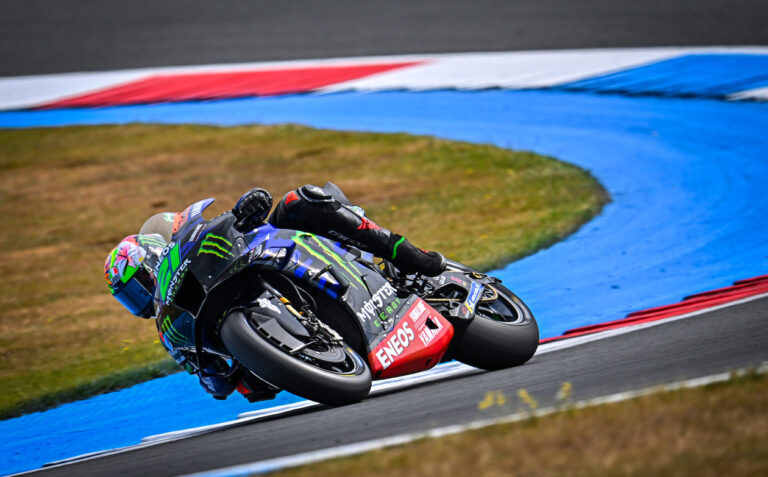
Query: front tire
<point>350,382</point>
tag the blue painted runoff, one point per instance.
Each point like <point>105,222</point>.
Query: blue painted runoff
<point>706,75</point>
<point>687,179</point>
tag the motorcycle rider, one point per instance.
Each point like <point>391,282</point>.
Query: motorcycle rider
<point>325,211</point>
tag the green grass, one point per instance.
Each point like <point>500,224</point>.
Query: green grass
<point>68,195</point>
<point>720,429</point>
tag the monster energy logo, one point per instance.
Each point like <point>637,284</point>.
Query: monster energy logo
<point>172,333</point>
<point>216,245</point>
<point>152,240</point>
<point>349,273</point>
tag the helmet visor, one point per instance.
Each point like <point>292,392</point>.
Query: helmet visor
<point>135,294</point>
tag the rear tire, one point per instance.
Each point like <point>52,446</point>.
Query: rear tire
<point>499,336</point>
<point>298,376</point>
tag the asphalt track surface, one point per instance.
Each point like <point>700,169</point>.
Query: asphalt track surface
<point>710,343</point>
<point>50,36</point>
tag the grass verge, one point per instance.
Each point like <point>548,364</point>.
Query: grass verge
<point>68,195</point>
<point>720,429</point>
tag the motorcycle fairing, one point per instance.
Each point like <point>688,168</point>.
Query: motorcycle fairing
<point>214,251</point>
<point>176,330</point>
<point>334,270</point>
<point>403,335</point>
<point>302,256</point>
<point>418,342</point>
<point>205,248</point>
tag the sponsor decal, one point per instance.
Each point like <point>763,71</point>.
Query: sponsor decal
<point>370,307</point>
<point>264,303</point>
<point>395,344</point>
<point>168,271</point>
<point>216,245</point>
<point>388,312</point>
<point>458,280</point>
<point>196,208</point>
<point>167,249</point>
<point>418,309</point>
<point>196,234</point>
<point>474,296</point>
<point>427,334</point>
<point>176,280</point>
<point>349,273</point>
<point>419,316</point>
<point>173,335</point>
<point>441,281</point>
<point>339,236</point>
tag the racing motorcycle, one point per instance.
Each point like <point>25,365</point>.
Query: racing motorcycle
<point>299,312</point>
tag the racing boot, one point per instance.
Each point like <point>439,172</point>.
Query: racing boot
<point>410,259</point>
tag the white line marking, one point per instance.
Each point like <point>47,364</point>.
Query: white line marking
<point>438,372</point>
<point>242,418</point>
<point>272,465</point>
<point>759,94</point>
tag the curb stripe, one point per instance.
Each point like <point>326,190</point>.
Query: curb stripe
<point>462,71</point>
<point>708,300</point>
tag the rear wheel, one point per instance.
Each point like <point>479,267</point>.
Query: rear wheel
<point>323,371</point>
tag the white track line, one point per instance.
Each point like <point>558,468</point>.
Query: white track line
<point>272,465</point>
<point>437,373</point>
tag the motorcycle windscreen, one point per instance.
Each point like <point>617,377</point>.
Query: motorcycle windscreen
<point>417,342</point>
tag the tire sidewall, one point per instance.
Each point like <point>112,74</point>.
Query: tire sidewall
<point>489,344</point>
<point>286,372</point>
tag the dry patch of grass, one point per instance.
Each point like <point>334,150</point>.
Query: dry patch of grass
<point>67,195</point>
<point>718,430</point>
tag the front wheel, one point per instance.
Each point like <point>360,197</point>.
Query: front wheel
<point>502,334</point>
<point>329,374</point>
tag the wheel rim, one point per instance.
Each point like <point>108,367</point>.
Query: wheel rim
<point>504,309</point>
<point>337,359</point>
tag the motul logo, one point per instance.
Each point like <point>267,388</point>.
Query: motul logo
<point>395,345</point>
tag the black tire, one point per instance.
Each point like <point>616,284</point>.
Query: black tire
<point>500,339</point>
<point>293,374</point>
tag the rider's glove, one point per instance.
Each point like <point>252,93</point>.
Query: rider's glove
<point>252,208</point>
